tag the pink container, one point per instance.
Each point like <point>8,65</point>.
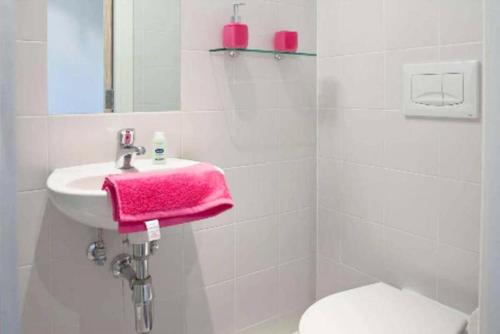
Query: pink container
<point>286,41</point>
<point>235,36</point>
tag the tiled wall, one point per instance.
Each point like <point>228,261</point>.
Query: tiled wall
<point>399,198</point>
<point>249,270</point>
<point>8,245</point>
<point>156,60</point>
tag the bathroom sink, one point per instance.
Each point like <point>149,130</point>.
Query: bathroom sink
<point>76,191</point>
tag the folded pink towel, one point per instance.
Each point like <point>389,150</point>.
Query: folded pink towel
<point>172,196</point>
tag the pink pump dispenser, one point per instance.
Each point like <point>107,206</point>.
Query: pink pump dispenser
<point>235,34</point>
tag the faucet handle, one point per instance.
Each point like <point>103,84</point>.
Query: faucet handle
<point>126,137</point>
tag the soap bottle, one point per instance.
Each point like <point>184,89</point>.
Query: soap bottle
<point>159,148</point>
<point>235,34</point>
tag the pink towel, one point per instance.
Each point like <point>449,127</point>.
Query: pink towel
<point>173,196</point>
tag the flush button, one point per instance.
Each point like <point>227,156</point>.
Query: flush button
<point>453,88</point>
<point>427,89</point>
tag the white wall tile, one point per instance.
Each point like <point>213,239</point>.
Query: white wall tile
<point>209,257</point>
<point>330,174</point>
<point>244,123</point>
<point>329,227</point>
<point>208,136</point>
<point>35,300</point>
<point>460,151</point>
<point>201,81</point>
<point>31,78</point>
<point>296,288</point>
<point>297,234</point>
<point>411,144</point>
<point>254,191</point>
<point>110,322</point>
<point>459,221</point>
<point>411,23</point>
<point>297,133</point>
<point>364,136</point>
<point>168,267</point>
<point>412,203</point>
<point>460,52</point>
<point>253,68</point>
<point>32,153</point>
<point>352,82</point>
<point>297,183</point>
<point>335,277</point>
<point>363,246</point>
<point>330,133</point>
<point>76,286</point>
<point>347,27</point>
<point>256,245</point>
<point>458,278</point>
<point>325,277</point>
<point>298,94</point>
<point>256,298</point>
<point>168,317</point>
<point>32,233</point>
<point>210,310</point>
<point>461,21</point>
<point>362,191</point>
<point>67,133</point>
<point>410,262</point>
<point>202,28</point>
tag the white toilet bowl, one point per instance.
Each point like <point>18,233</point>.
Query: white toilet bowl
<point>381,309</point>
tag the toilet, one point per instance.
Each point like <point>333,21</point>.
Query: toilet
<point>382,309</point>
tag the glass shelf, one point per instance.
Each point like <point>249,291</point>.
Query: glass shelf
<point>277,54</point>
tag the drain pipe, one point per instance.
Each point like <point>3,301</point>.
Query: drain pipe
<point>135,269</point>
<point>142,289</point>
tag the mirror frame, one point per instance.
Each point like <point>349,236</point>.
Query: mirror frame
<point>108,8</point>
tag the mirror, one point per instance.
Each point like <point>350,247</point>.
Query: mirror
<point>113,56</point>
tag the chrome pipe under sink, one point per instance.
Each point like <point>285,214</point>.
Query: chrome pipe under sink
<point>135,269</point>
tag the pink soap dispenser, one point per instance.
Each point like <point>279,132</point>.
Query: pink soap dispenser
<point>235,34</point>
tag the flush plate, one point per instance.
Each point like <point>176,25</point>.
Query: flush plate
<point>443,90</point>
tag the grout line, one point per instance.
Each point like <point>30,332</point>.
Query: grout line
<point>30,41</point>
<point>368,221</point>
<point>386,50</point>
<point>398,170</point>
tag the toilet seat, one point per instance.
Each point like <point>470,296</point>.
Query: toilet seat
<point>380,309</point>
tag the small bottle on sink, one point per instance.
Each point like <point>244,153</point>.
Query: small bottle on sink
<point>159,148</point>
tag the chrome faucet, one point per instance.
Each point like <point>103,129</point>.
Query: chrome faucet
<point>126,149</point>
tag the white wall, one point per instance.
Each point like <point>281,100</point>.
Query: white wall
<point>248,270</point>
<point>490,274</point>
<point>9,314</point>
<point>157,55</point>
<point>399,199</point>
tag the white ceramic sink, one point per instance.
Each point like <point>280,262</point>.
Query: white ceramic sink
<point>76,191</point>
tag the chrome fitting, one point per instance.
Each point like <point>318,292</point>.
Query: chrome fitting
<point>135,269</point>
<point>96,251</point>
